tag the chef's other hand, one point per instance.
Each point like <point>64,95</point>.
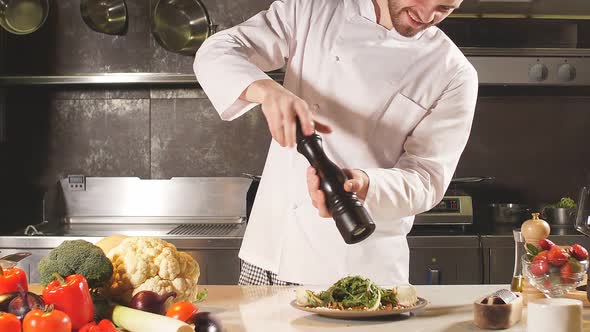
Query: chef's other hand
<point>358,181</point>
<point>281,107</point>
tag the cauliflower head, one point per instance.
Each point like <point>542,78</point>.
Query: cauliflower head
<point>144,263</point>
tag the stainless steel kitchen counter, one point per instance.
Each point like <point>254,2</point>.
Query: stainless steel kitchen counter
<point>50,242</point>
<point>216,253</point>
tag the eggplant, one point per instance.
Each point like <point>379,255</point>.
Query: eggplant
<point>205,322</point>
<point>5,300</point>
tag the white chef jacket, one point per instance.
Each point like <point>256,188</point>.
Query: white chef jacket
<point>400,108</point>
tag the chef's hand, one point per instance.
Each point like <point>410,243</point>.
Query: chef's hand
<point>281,107</point>
<point>358,181</point>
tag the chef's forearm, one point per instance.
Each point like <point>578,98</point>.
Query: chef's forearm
<point>224,72</point>
<point>257,90</point>
<point>397,193</point>
<point>230,61</point>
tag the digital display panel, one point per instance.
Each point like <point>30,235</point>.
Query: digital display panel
<point>447,205</point>
<point>76,179</point>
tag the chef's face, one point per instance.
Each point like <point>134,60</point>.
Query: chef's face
<point>412,16</point>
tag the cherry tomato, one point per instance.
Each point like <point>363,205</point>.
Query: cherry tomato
<point>182,310</point>
<point>47,320</point>
<point>9,322</point>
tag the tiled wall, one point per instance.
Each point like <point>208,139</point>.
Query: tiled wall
<point>536,146</point>
<point>152,132</point>
<point>157,133</point>
<point>65,45</point>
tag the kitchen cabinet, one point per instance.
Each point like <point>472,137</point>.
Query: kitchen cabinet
<point>218,267</point>
<point>448,260</point>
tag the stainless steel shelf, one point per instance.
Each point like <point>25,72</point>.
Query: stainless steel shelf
<point>109,79</point>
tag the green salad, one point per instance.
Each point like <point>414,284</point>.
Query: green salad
<point>358,293</point>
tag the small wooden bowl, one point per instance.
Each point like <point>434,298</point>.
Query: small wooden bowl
<point>496,315</point>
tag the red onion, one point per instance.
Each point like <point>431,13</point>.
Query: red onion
<point>25,302</point>
<point>151,301</point>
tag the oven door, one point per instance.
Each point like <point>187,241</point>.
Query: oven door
<point>532,42</point>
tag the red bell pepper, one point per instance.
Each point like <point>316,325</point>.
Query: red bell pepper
<point>11,279</point>
<point>72,297</point>
<point>104,325</point>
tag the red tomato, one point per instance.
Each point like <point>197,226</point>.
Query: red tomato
<point>182,310</point>
<point>9,322</point>
<point>51,320</point>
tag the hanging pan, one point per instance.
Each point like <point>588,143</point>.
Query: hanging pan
<point>181,26</point>
<point>105,16</point>
<point>22,17</point>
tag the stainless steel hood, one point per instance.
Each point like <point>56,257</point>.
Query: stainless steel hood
<point>516,9</point>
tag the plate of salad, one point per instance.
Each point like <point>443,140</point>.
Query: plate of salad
<point>358,297</point>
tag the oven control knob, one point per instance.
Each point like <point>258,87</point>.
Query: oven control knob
<point>566,72</point>
<point>538,72</point>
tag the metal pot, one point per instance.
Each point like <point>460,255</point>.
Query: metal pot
<point>559,216</point>
<point>22,17</point>
<point>181,26</point>
<point>106,16</point>
<point>508,213</point>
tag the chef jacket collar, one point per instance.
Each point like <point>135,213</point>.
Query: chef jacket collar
<point>367,10</point>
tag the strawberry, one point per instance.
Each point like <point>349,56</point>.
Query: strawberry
<point>579,252</point>
<point>539,268</point>
<point>566,273</point>
<point>548,283</point>
<point>546,244</point>
<point>557,256</point>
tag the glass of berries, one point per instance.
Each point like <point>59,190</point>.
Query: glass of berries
<point>554,270</point>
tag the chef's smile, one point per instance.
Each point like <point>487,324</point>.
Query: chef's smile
<point>414,21</point>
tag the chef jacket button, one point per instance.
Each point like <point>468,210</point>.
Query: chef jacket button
<point>337,58</point>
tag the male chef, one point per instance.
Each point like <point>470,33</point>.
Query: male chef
<point>393,99</point>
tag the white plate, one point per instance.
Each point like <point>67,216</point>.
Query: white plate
<point>352,314</point>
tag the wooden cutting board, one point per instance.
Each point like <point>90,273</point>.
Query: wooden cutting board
<point>578,295</point>
<point>38,289</point>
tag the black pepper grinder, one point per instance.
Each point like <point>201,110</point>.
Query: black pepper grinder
<point>352,219</point>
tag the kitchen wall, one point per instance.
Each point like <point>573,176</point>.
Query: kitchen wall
<point>148,132</point>
<point>533,142</point>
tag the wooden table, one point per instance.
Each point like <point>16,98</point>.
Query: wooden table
<point>267,308</point>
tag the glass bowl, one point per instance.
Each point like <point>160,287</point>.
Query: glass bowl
<point>554,283</point>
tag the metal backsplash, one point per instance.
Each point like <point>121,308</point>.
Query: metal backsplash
<point>90,198</point>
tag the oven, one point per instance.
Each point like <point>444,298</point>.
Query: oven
<point>524,42</point>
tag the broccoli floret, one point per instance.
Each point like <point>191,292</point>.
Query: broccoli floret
<point>77,257</point>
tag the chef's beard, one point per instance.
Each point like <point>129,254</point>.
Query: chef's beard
<point>399,21</point>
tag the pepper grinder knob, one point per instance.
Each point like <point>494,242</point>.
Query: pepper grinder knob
<point>535,230</point>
